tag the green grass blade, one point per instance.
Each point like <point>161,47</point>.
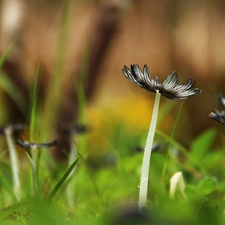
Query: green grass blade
<point>6,54</point>
<point>33,115</point>
<point>35,154</point>
<point>9,86</point>
<point>62,179</point>
<point>34,177</point>
<point>54,96</point>
<point>172,137</point>
<point>12,90</point>
<point>183,150</point>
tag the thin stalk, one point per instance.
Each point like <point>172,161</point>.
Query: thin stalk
<point>33,114</point>
<point>186,153</point>
<point>33,125</point>
<point>147,154</point>
<point>72,157</point>
<point>34,156</point>
<point>172,136</point>
<point>33,167</point>
<point>14,162</point>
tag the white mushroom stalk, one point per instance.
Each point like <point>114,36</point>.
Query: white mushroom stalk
<point>170,88</point>
<point>147,154</point>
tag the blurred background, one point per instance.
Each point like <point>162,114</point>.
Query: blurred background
<point>94,40</point>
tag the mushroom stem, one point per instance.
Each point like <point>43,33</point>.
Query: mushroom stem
<point>14,161</point>
<point>147,154</point>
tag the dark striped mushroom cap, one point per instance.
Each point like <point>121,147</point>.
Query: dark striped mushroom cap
<point>169,88</point>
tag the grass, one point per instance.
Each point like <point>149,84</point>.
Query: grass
<point>103,189</point>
